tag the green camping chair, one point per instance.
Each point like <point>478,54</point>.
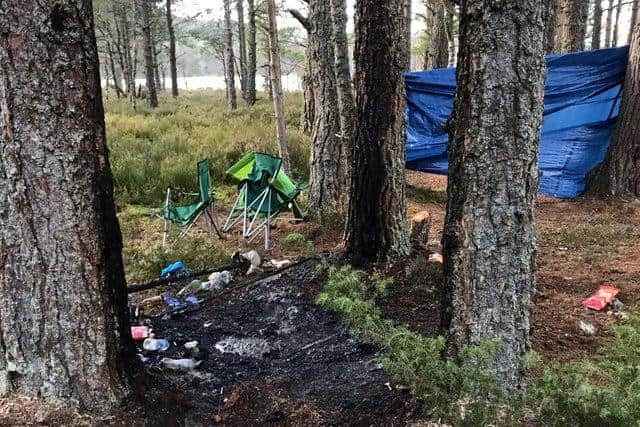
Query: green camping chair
<point>185,216</point>
<point>265,191</point>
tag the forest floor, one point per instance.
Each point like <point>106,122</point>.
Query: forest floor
<point>290,362</point>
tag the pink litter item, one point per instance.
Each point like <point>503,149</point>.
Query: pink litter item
<point>601,298</point>
<point>138,333</point>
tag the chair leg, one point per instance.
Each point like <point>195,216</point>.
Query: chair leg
<point>164,215</point>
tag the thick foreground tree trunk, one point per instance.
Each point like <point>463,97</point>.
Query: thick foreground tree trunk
<point>328,167</point>
<point>634,19</point>
<point>490,235</point>
<point>147,46</point>
<point>63,320</point>
<point>173,66</point>
<point>619,174</point>
<point>275,76</point>
<point>377,221</point>
<point>229,58</point>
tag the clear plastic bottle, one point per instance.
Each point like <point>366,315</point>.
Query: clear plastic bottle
<point>154,344</point>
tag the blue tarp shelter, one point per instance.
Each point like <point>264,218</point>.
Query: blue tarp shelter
<point>581,104</point>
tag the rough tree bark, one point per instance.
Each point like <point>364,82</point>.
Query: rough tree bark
<point>377,220</point>
<point>550,19</point>
<point>250,97</point>
<point>572,25</point>
<point>147,47</point>
<point>63,324</point>
<point>328,167</point>
<point>619,174</point>
<point>489,236</point>
<point>437,52</point>
<point>173,65</point>
<point>307,117</point>
<point>229,58</point>
<point>275,75</point>
<point>608,25</point>
<point>343,80</point>
<point>597,24</point>
<point>242,48</point>
<point>123,28</point>
<point>634,19</point>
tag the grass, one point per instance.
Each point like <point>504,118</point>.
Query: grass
<point>600,234</point>
<point>426,195</point>
<point>152,150</point>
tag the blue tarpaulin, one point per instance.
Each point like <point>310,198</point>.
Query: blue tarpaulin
<point>581,104</point>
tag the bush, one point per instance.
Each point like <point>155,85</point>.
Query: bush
<point>464,393</point>
<point>153,150</point>
<point>604,392</point>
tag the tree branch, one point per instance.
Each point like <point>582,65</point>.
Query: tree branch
<point>303,20</point>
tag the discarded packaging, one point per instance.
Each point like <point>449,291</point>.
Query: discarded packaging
<point>151,300</point>
<point>280,263</point>
<point>435,257</point>
<point>185,364</point>
<point>587,327</point>
<point>601,298</point>
<point>193,287</point>
<point>172,301</point>
<point>177,267</point>
<point>138,333</point>
<point>154,344</point>
<point>190,345</point>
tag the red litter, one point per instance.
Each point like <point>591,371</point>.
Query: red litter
<point>138,333</point>
<point>601,298</point>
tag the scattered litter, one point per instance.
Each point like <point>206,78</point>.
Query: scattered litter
<point>177,267</point>
<point>388,386</point>
<point>563,248</point>
<point>184,364</point>
<point>190,345</point>
<point>193,287</point>
<point>252,256</point>
<point>246,347</point>
<point>436,258</point>
<point>192,299</point>
<point>587,327</point>
<point>151,300</point>
<point>154,344</point>
<point>138,333</point>
<point>601,298</point>
<point>172,301</point>
<point>280,263</point>
<point>206,325</point>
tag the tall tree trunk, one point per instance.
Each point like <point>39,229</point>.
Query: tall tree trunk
<point>597,24</point>
<point>344,85</point>
<point>275,75</point>
<point>550,18</point>
<point>437,52</point>
<point>242,48</point>
<point>173,65</point>
<point>328,168</point>
<point>616,25</point>
<point>490,235</point>
<point>377,224</point>
<point>122,22</point>
<point>634,19</point>
<point>63,324</point>
<point>147,46</point>
<point>156,68</point>
<point>572,25</point>
<point>307,117</point>
<point>229,58</point>
<point>452,25</point>
<point>608,25</point>
<point>116,78</point>
<point>250,97</point>
<point>619,174</point>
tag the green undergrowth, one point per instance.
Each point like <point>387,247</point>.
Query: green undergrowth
<point>600,392</point>
<point>598,234</point>
<point>143,254</point>
<point>463,393</point>
<point>153,150</point>
<point>297,242</point>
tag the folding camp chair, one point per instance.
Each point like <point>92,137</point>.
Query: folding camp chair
<point>185,216</point>
<point>265,191</point>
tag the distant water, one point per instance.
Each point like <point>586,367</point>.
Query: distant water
<point>290,82</point>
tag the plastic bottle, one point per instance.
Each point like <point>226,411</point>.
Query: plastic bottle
<point>191,288</point>
<point>154,344</point>
<point>185,364</point>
